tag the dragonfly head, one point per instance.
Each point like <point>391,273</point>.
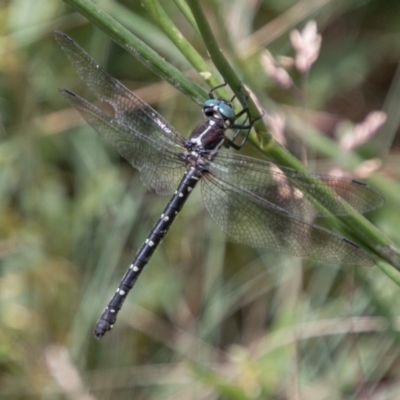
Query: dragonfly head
<point>220,109</point>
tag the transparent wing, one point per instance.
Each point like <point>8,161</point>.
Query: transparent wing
<point>161,170</point>
<point>281,186</point>
<point>129,109</point>
<point>254,221</point>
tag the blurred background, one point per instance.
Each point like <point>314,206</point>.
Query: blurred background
<point>208,319</point>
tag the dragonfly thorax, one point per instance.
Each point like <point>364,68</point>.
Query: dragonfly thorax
<point>207,138</point>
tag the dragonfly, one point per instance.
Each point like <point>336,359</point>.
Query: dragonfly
<point>254,201</point>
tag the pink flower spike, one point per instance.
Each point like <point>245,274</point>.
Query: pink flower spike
<point>363,131</point>
<point>276,73</point>
<point>276,123</point>
<point>306,45</point>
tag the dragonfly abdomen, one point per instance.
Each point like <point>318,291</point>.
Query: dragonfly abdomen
<point>109,316</point>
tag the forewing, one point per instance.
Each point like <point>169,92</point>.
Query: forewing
<point>129,109</point>
<point>291,190</point>
<point>254,221</point>
<point>160,167</point>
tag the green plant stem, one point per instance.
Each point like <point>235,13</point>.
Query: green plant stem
<point>222,64</point>
<point>162,19</point>
<point>386,268</point>
<point>183,7</point>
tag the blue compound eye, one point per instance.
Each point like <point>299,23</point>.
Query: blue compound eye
<point>226,111</point>
<point>211,103</point>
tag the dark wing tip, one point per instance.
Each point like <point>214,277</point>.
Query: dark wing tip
<point>361,256</point>
<point>62,37</point>
<point>66,93</point>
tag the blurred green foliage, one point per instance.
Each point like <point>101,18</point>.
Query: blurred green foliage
<point>209,319</point>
